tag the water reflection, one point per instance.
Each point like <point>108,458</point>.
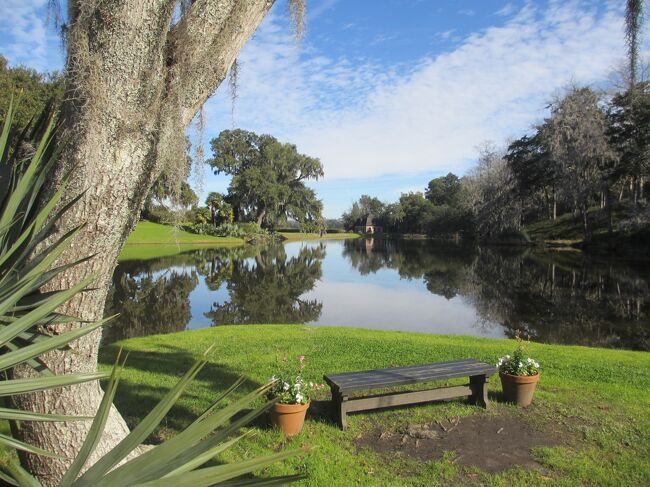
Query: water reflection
<point>269,288</point>
<point>557,297</point>
<point>151,297</point>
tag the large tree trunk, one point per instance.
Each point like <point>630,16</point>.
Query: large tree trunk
<point>136,79</point>
<point>260,216</point>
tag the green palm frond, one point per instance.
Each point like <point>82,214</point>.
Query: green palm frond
<point>25,313</point>
<point>23,226</point>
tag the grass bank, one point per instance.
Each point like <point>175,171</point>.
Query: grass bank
<point>149,233</point>
<point>152,240</point>
<point>592,403</point>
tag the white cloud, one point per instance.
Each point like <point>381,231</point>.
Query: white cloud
<point>365,120</point>
<point>25,36</point>
<point>507,9</point>
<point>445,35</point>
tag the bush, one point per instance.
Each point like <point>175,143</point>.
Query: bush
<point>159,214</point>
<point>247,231</point>
<point>202,229</point>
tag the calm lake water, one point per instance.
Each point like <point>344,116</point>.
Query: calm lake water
<point>424,286</point>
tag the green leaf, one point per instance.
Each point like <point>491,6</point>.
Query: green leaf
<point>35,364</point>
<point>25,183</point>
<point>7,479</point>
<point>26,321</point>
<point>97,427</point>
<point>208,476</point>
<point>23,354</point>
<point>6,128</point>
<point>172,453</point>
<point>20,445</point>
<point>93,475</point>
<point>225,394</point>
<point>20,415</point>
<point>22,477</point>
<point>198,460</point>
<point>23,386</point>
<point>185,445</point>
<point>262,482</point>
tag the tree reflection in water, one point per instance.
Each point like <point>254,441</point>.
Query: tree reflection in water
<point>556,297</point>
<point>150,298</point>
<point>268,288</point>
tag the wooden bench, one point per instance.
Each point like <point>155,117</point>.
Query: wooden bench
<point>342,385</point>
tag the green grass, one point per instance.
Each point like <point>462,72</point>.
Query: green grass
<point>596,400</point>
<point>152,240</point>
<point>154,233</point>
<point>567,229</point>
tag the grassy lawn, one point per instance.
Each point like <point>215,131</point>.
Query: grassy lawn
<point>592,403</point>
<point>149,233</point>
<point>152,240</point>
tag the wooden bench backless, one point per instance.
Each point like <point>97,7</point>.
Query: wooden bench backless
<point>342,385</point>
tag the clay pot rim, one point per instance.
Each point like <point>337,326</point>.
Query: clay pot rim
<point>521,378</point>
<point>278,406</point>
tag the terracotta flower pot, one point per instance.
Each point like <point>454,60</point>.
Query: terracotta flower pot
<point>519,388</point>
<point>289,417</point>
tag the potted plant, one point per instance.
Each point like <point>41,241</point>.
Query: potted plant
<point>293,396</point>
<point>519,376</point>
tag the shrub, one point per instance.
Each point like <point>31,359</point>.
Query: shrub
<point>202,229</point>
<point>159,214</point>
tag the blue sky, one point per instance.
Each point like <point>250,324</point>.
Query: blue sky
<point>388,94</point>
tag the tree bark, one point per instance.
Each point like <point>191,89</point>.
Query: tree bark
<point>135,80</point>
<point>260,217</point>
<point>584,209</point>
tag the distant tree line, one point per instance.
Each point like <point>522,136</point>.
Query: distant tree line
<point>34,91</point>
<point>591,154</point>
<point>439,211</point>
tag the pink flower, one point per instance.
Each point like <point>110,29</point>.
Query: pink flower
<point>301,359</point>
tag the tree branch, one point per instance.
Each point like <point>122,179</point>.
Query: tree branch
<point>203,46</point>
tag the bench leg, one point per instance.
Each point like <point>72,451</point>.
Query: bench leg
<point>341,406</point>
<point>479,386</point>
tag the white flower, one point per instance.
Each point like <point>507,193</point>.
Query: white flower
<point>521,365</point>
<point>285,386</point>
<point>299,397</point>
<point>274,378</point>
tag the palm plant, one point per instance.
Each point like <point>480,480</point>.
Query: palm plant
<point>25,314</point>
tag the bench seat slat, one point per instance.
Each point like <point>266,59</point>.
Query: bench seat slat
<point>362,377</point>
<point>433,366</point>
<point>372,379</point>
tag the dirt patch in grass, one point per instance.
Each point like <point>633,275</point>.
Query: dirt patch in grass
<point>491,443</point>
